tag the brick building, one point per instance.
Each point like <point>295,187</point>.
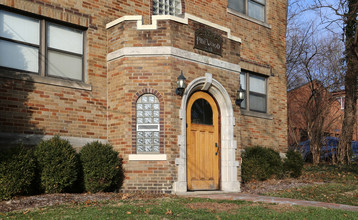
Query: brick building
<point>107,70</point>
<point>311,107</point>
<point>340,97</point>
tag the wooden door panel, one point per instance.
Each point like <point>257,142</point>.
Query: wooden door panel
<point>201,166</point>
<point>202,162</point>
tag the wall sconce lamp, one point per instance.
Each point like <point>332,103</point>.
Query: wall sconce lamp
<point>240,96</point>
<point>181,84</point>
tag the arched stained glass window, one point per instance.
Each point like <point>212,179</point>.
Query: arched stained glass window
<point>148,124</point>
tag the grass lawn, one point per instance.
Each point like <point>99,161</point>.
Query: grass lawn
<point>336,185</point>
<point>339,185</point>
<point>179,208</point>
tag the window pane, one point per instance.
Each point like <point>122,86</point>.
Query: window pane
<point>257,84</point>
<point>243,86</point>
<point>64,38</point>
<point>64,65</point>
<point>256,11</point>
<point>257,103</point>
<point>243,103</point>
<point>201,112</point>
<point>19,56</point>
<point>18,27</point>
<point>237,5</point>
<point>243,80</point>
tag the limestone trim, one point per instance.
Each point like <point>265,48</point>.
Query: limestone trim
<point>184,20</point>
<point>174,52</point>
<point>146,157</point>
<point>256,68</point>
<point>29,77</point>
<point>229,164</point>
<point>256,114</point>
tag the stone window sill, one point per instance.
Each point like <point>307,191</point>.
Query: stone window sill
<point>238,14</point>
<point>257,114</point>
<point>153,157</point>
<point>44,80</point>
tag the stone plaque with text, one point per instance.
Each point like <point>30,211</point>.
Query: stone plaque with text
<point>208,41</point>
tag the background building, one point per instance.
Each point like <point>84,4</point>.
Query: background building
<point>312,108</point>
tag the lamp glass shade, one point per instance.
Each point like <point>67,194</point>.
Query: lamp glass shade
<point>240,94</point>
<point>181,81</point>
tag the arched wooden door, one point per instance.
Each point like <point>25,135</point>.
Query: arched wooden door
<point>203,150</point>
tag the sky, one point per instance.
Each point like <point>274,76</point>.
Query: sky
<point>325,19</point>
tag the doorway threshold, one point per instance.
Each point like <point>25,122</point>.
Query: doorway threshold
<point>199,192</point>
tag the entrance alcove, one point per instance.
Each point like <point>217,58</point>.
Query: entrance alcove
<point>229,164</point>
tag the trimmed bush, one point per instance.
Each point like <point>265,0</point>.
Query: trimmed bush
<point>259,163</point>
<point>293,164</point>
<point>17,171</point>
<point>102,168</point>
<point>58,165</point>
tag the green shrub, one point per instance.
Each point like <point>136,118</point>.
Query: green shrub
<point>17,171</point>
<point>259,163</point>
<point>58,165</point>
<point>293,164</point>
<point>102,168</point>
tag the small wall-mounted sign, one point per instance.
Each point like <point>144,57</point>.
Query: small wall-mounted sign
<point>208,41</point>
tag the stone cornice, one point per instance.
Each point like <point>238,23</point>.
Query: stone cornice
<point>183,19</point>
<point>174,52</point>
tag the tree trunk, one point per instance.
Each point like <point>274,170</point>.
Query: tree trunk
<point>343,154</point>
<point>316,151</point>
<point>350,30</point>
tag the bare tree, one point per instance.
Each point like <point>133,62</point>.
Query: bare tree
<point>315,61</point>
<point>298,43</point>
<point>300,49</point>
<point>313,109</point>
<point>330,63</point>
<point>310,54</point>
<point>351,32</point>
<point>347,13</point>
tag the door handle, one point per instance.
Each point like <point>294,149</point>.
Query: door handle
<point>218,147</point>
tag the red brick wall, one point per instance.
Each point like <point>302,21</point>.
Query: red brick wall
<point>106,111</point>
<point>60,110</point>
<point>32,108</point>
<point>297,103</point>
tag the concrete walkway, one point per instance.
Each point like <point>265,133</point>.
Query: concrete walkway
<point>266,199</point>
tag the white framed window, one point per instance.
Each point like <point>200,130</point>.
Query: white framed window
<point>255,87</point>
<point>252,8</point>
<point>341,101</point>
<point>59,52</point>
<point>148,124</point>
<point>166,7</point>
<point>19,42</point>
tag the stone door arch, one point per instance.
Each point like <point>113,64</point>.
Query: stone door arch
<point>229,164</point>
